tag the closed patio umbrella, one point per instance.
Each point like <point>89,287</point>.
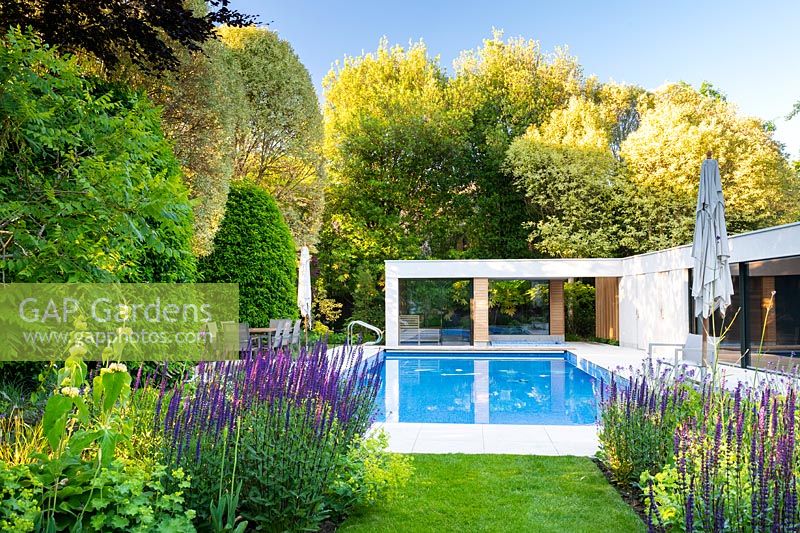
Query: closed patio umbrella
<point>712,286</point>
<point>304,285</point>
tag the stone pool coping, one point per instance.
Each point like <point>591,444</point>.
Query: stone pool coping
<point>407,437</point>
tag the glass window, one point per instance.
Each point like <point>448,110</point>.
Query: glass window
<point>435,311</point>
<point>726,326</point>
<point>773,297</point>
<point>518,308</point>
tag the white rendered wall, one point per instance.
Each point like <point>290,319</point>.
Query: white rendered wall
<point>654,307</point>
<point>654,288</point>
<point>392,302</point>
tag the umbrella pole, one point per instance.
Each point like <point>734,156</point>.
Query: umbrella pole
<point>704,359</point>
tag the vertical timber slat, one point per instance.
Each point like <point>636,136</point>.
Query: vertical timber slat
<point>557,326</point>
<point>480,319</point>
<point>606,319</point>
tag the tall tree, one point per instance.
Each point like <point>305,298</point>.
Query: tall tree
<point>140,30</point>
<point>571,181</point>
<point>278,141</point>
<point>394,148</point>
<point>678,126</point>
<point>202,102</point>
<point>506,86</point>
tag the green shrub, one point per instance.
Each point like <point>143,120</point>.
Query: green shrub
<point>280,431</point>
<point>254,248</point>
<point>365,475</point>
<point>19,506</point>
<point>579,306</point>
<point>321,333</point>
<point>368,299</point>
<point>638,422</point>
<point>89,187</point>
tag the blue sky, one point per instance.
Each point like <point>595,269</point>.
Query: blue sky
<point>749,50</point>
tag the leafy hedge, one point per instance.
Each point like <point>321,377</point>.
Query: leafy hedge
<point>254,248</point>
<point>89,187</point>
<point>579,300</point>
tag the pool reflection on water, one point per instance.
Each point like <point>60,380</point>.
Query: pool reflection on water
<point>466,390</point>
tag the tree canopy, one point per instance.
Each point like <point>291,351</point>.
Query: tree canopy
<point>278,134</point>
<point>504,87</point>
<point>518,154</point>
<point>678,126</point>
<point>568,174</point>
<point>90,189</point>
<point>141,30</point>
<point>202,102</point>
<point>393,149</point>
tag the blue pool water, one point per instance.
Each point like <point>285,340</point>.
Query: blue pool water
<point>520,389</point>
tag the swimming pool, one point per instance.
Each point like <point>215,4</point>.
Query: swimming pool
<point>486,389</point>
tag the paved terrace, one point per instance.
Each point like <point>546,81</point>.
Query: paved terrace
<point>529,439</point>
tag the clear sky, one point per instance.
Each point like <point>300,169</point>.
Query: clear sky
<point>748,49</point>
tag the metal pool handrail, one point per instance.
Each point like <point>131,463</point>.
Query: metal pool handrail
<point>363,325</point>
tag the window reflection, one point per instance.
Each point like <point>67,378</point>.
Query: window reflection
<point>435,311</point>
<point>774,313</point>
<point>518,308</point>
<point>769,316</point>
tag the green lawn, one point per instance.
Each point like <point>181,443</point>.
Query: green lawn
<point>508,493</point>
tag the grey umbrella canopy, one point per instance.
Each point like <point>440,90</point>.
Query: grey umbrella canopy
<point>712,286</point>
<point>304,285</point>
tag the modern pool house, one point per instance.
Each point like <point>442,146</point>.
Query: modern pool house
<point>640,300</point>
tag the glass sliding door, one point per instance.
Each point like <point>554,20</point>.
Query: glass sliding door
<point>727,326</point>
<point>761,328</point>
<point>519,309</point>
<point>435,312</point>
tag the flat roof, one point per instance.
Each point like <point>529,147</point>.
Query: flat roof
<point>758,245</point>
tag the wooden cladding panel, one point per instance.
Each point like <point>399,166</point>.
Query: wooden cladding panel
<point>480,309</point>
<point>606,318</point>
<point>557,326</point>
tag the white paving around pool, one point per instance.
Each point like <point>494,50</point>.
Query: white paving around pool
<point>491,438</point>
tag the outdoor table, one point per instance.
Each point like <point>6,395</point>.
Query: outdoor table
<point>260,332</point>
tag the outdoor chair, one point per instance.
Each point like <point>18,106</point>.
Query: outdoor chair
<point>690,353</point>
<point>411,331</point>
<point>230,330</point>
<point>295,340</point>
<point>409,328</point>
<point>244,336</point>
<point>276,323</point>
<point>273,338</point>
<point>210,331</point>
<point>282,334</point>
